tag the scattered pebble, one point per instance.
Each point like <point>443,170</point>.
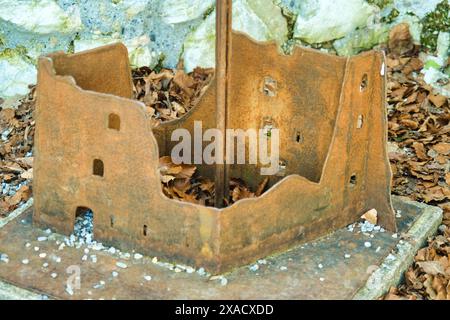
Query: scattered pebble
<point>378,249</point>
<point>115,274</point>
<point>54,275</point>
<point>69,290</point>
<point>42,239</point>
<point>84,258</point>
<point>262,261</point>
<point>201,271</point>
<point>121,265</point>
<point>155,260</point>
<point>61,246</point>
<point>148,278</point>
<point>42,255</point>
<point>138,256</point>
<point>25,261</point>
<point>93,258</point>
<point>347,256</point>
<point>322,279</point>
<point>86,251</point>
<point>112,250</point>
<point>27,245</point>
<point>190,270</point>
<point>4,258</point>
<point>224,281</point>
<point>36,249</point>
<point>45,265</point>
<point>254,268</point>
<point>48,231</point>
<point>320,266</point>
<point>283,268</point>
<point>367,244</point>
<point>395,236</point>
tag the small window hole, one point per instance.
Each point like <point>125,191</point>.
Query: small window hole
<point>112,220</point>
<point>145,230</point>
<point>360,121</point>
<point>114,122</point>
<point>364,83</point>
<point>353,180</point>
<point>299,137</point>
<point>98,168</point>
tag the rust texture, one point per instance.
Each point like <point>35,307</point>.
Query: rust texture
<point>95,148</point>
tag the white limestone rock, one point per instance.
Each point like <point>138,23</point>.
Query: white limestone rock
<point>419,8</point>
<point>179,11</point>
<point>138,50</point>
<point>324,20</point>
<point>15,76</point>
<point>260,19</point>
<point>42,17</point>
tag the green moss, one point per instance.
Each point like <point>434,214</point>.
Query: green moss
<point>208,12</point>
<point>160,65</point>
<point>435,22</point>
<point>20,51</point>
<point>391,17</point>
<point>380,3</point>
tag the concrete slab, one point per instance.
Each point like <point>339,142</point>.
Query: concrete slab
<point>344,265</point>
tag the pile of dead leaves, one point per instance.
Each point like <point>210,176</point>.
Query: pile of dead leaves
<point>169,94</point>
<point>181,182</point>
<point>16,160</point>
<point>419,151</point>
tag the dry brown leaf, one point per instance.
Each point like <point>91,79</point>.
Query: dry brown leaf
<point>371,216</point>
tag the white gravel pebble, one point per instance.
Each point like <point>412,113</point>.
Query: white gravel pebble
<point>42,239</point>
<point>347,256</point>
<point>283,268</point>
<point>45,265</point>
<point>322,279</point>
<point>36,249</point>
<point>69,290</point>
<point>86,251</point>
<point>25,261</point>
<point>201,271</point>
<point>378,249</point>
<point>148,278</point>
<point>395,236</point>
<point>138,256</point>
<point>57,259</point>
<point>121,265</point>
<point>84,258</point>
<point>190,270</point>
<point>94,258</point>
<point>112,250</point>
<point>224,281</point>
<point>48,231</point>
<point>4,258</point>
<point>42,255</point>
<point>262,261</point>
<point>155,260</point>
<point>320,266</point>
<point>115,274</point>
<point>254,268</point>
<point>54,275</point>
<point>367,244</point>
<point>61,246</point>
<point>27,245</point>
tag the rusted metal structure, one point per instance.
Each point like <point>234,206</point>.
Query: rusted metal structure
<point>95,148</point>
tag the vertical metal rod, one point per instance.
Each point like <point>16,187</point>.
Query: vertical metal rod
<point>223,55</point>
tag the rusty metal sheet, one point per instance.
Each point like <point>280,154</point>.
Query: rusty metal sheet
<point>337,170</point>
<point>291,275</point>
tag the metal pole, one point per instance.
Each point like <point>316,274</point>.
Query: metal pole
<point>223,55</point>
